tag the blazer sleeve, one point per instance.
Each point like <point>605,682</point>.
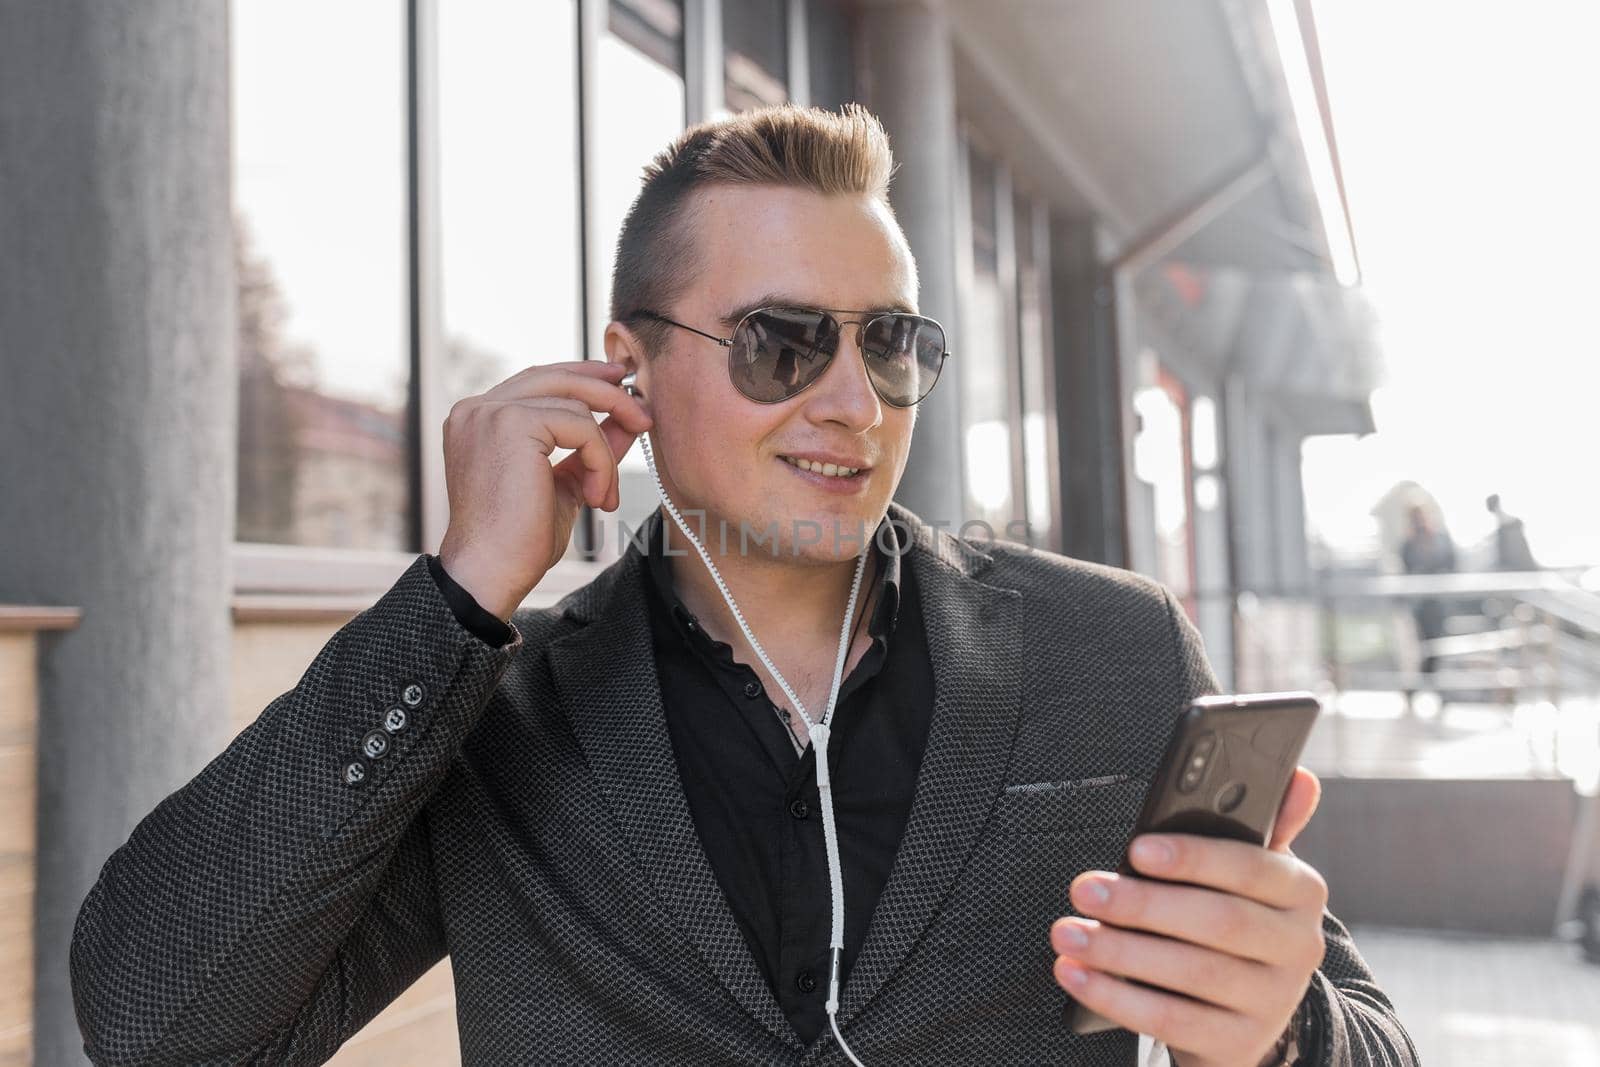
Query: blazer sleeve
<point>270,907</point>
<point>1353,1024</point>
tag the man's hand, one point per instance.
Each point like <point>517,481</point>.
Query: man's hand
<point>511,509</point>
<point>1240,940</point>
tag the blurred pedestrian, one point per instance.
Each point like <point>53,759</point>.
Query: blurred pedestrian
<point>1427,550</point>
<point>1511,551</point>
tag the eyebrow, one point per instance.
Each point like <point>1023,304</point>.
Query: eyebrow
<point>732,318</point>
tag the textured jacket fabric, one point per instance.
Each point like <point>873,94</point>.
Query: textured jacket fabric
<point>524,817</point>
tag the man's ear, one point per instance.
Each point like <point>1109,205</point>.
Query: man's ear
<point>623,346</point>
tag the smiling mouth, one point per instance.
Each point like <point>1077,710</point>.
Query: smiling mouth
<point>828,470</point>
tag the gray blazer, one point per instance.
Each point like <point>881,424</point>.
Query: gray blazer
<point>524,816</point>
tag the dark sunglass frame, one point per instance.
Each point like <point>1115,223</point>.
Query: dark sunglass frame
<point>861,325</point>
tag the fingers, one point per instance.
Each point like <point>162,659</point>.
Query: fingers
<point>1203,916</point>
<point>618,441</point>
<point>1299,804</point>
<point>600,370</point>
<point>1215,977</point>
<point>1275,879</point>
<point>1176,1021</point>
<point>580,388</point>
<point>564,403</point>
<point>590,381</point>
<point>556,428</point>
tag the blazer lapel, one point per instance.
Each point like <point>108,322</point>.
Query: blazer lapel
<point>974,645</point>
<point>606,674</point>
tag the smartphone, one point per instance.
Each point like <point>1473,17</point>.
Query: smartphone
<point>1227,766</point>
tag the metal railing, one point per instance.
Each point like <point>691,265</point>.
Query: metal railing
<point>1517,634</point>
<point>1511,638</point>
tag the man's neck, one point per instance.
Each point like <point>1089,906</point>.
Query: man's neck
<point>790,605</point>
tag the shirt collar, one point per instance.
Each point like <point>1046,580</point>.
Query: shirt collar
<point>887,545</point>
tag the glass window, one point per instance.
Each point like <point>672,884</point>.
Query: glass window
<point>755,43</point>
<point>508,180</point>
<point>1163,463</point>
<point>639,109</point>
<point>319,141</point>
<point>985,363</point>
<point>830,53</point>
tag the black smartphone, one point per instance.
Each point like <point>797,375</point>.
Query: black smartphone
<point>1227,766</point>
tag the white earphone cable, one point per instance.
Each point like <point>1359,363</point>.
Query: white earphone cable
<point>818,730</point>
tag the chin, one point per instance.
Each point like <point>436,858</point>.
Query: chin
<point>804,531</point>
<point>813,530</point>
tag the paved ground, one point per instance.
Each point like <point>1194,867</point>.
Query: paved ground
<point>1470,1002</point>
<point>1467,1001</point>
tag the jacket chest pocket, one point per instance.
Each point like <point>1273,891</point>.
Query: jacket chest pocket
<point>1037,840</point>
<point>994,929</point>
<point>1068,806</point>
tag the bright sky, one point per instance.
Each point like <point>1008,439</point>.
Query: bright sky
<point>1467,138</point>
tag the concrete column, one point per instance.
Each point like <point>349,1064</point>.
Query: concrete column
<point>1089,397</point>
<point>118,394</point>
<point>1289,517</point>
<point>910,86</point>
<point>1250,487</point>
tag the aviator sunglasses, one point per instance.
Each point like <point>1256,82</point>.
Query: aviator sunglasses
<point>775,352</point>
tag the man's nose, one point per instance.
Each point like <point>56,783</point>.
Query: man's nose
<point>844,393</point>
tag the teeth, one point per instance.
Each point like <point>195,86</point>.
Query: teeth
<point>831,470</point>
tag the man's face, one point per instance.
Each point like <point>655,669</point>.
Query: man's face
<point>719,450</point>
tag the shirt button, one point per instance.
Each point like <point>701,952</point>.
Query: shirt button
<point>395,720</point>
<point>798,809</point>
<point>413,695</point>
<point>806,982</point>
<point>375,744</point>
<point>355,772</point>
<point>752,689</point>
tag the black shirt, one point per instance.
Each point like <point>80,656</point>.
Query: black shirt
<point>754,800</point>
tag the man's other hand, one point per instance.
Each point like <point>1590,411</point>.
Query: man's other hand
<point>1240,939</point>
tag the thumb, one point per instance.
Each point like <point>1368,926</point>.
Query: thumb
<point>1299,803</point>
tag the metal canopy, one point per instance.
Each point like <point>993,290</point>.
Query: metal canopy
<point>1130,110</point>
<point>1170,124</point>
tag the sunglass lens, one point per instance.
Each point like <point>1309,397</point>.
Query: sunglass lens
<point>904,355</point>
<point>779,351</point>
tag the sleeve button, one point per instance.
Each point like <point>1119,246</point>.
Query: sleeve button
<point>375,744</point>
<point>413,695</point>
<point>355,772</point>
<point>395,720</point>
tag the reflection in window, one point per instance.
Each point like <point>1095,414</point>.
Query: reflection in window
<point>830,56</point>
<point>508,175</point>
<point>639,109</point>
<point>985,371</point>
<point>319,187</point>
<point>755,53</point>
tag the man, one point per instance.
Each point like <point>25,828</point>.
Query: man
<point>1511,551</point>
<point>604,816</point>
